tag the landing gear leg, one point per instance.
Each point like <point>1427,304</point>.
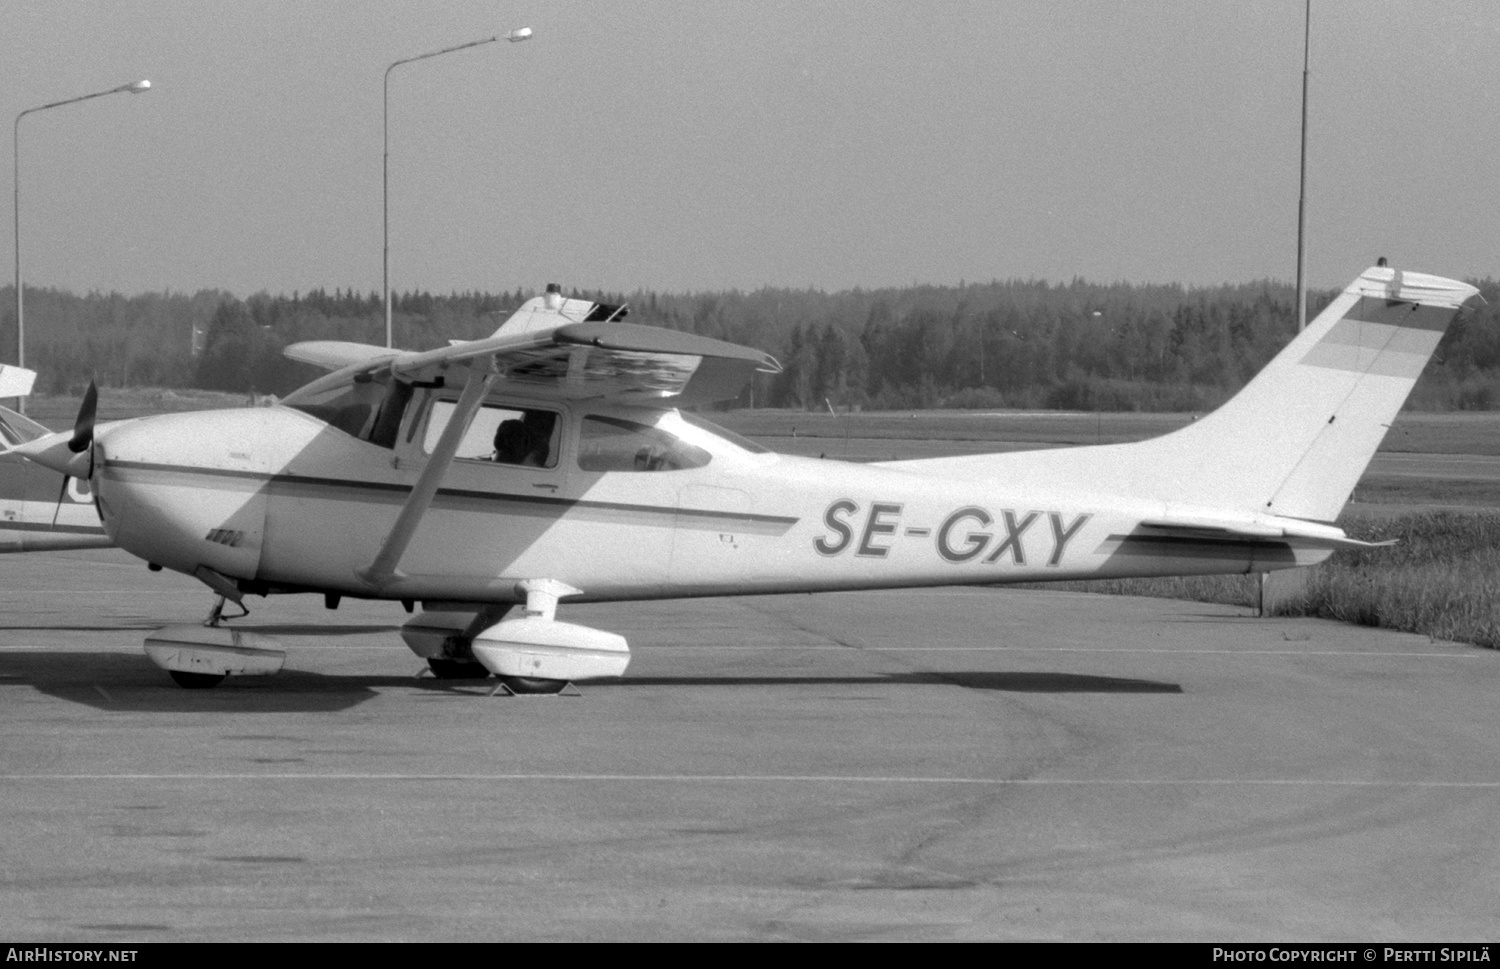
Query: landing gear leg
<point>457,661</point>
<point>216,614</point>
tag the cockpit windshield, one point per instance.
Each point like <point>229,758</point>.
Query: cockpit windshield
<point>369,406</point>
<point>17,429</point>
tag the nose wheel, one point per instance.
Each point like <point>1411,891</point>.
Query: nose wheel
<point>196,681</point>
<point>532,686</point>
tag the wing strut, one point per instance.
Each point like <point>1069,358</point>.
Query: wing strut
<point>383,569</point>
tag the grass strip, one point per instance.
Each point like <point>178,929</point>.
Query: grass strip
<point>1442,579</point>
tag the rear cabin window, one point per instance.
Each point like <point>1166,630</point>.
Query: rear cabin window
<point>723,433</point>
<point>505,435</point>
<point>614,444</point>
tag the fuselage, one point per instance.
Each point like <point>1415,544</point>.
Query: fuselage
<point>624,503</point>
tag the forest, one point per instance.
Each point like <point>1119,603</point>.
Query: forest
<point>1002,344</point>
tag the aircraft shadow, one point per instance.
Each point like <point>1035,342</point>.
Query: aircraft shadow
<point>1010,682</point>
<point>122,682</point>
<point>315,629</point>
<point>142,626</point>
<point>279,629</point>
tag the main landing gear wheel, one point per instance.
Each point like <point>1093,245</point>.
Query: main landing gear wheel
<point>456,669</point>
<point>532,685</point>
<point>195,681</point>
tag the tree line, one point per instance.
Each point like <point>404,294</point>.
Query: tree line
<point>1017,343</point>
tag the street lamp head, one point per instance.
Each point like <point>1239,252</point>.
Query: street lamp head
<point>139,87</point>
<point>519,34</point>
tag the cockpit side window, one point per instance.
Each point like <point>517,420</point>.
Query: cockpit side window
<point>516,436</point>
<point>615,444</point>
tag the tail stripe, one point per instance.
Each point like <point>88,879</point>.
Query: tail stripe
<point>1387,350</point>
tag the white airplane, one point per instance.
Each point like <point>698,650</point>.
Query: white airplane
<point>556,459</point>
<point>40,510</point>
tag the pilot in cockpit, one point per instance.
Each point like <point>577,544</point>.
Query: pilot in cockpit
<point>526,441</point>
<point>511,442</point>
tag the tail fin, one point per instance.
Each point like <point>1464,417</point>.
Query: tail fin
<point>554,310</point>
<point>1296,439</point>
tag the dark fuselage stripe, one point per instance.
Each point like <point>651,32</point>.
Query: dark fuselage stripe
<point>1173,546</point>
<point>17,526</point>
<point>310,486</point>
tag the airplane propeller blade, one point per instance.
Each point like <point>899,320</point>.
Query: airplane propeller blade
<point>83,427</point>
<point>57,508</point>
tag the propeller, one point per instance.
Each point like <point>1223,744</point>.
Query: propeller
<point>83,439</point>
<point>83,427</point>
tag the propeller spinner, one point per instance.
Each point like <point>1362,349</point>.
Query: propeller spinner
<point>66,454</point>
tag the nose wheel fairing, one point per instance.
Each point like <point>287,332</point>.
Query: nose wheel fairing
<point>202,656</point>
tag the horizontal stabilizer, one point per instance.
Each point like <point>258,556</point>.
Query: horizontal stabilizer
<point>1304,534</point>
<point>15,381</point>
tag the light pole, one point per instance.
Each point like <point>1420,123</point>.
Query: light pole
<point>1302,177</point>
<point>139,87</point>
<point>515,36</point>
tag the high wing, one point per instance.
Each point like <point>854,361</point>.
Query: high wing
<point>335,354</point>
<point>616,361</point>
<point>590,360</point>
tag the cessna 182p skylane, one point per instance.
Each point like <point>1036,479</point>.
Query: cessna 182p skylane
<point>556,459</point>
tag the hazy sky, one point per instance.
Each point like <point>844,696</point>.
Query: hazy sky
<point>689,146</point>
